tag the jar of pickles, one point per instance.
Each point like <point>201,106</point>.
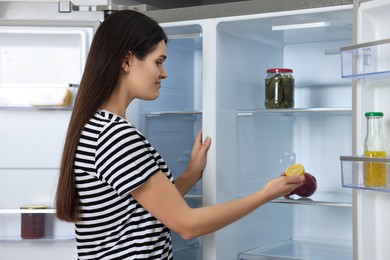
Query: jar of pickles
<point>279,88</point>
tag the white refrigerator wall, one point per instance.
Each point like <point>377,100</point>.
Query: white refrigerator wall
<point>372,209</point>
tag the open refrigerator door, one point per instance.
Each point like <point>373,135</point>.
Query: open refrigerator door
<point>41,62</point>
<point>367,62</point>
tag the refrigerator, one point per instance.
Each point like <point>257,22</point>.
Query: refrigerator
<point>217,61</point>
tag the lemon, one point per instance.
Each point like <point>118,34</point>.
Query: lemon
<point>295,169</point>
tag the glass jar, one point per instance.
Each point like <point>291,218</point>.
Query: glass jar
<point>374,146</point>
<point>33,224</point>
<point>279,88</point>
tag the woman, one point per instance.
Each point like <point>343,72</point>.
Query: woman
<point>113,184</point>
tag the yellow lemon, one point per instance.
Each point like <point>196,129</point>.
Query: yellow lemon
<point>295,169</point>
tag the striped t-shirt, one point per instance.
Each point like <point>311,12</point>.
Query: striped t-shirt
<point>112,159</point>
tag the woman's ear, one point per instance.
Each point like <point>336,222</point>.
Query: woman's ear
<point>126,62</point>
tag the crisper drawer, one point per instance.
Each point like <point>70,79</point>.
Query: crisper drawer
<point>360,172</point>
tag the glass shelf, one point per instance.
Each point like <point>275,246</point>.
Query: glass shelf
<point>352,170</point>
<point>170,113</point>
<point>37,96</point>
<point>14,223</point>
<point>300,249</point>
<point>334,199</point>
<point>296,111</point>
<point>20,211</point>
<point>46,238</point>
<point>193,196</point>
<point>366,60</point>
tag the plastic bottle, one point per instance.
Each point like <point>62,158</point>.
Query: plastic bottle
<point>374,146</point>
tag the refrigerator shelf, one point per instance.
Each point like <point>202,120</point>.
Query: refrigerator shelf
<point>300,250</point>
<point>53,211</point>
<point>34,211</point>
<point>36,108</point>
<point>193,196</point>
<point>44,239</point>
<point>333,199</point>
<point>296,111</point>
<point>173,113</point>
<point>368,60</point>
<point>352,172</point>
<point>37,96</point>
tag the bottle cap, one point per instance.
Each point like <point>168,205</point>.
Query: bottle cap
<point>373,114</point>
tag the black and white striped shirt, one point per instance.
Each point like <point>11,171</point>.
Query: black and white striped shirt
<point>112,159</point>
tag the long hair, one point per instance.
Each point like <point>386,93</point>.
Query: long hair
<point>120,33</point>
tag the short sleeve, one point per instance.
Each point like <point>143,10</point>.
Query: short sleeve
<point>123,158</point>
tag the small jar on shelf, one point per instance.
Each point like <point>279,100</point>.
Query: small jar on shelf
<point>33,224</point>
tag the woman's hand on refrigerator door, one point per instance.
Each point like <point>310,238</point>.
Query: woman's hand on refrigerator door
<point>282,186</point>
<point>199,154</point>
<point>195,167</point>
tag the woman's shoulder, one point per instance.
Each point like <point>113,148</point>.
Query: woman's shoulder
<point>104,125</point>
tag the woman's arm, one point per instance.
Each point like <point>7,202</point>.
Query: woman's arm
<point>193,173</point>
<point>164,201</point>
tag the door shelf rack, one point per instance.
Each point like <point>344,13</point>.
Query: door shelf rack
<point>353,172</point>
<point>366,60</point>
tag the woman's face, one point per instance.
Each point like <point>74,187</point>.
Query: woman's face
<point>145,76</point>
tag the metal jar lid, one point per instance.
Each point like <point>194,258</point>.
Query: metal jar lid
<point>279,70</point>
<point>34,206</point>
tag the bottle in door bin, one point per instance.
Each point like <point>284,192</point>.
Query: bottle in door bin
<point>374,146</point>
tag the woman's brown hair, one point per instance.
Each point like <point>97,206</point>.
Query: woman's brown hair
<point>120,33</point>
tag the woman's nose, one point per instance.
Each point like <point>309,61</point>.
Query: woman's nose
<point>163,74</point>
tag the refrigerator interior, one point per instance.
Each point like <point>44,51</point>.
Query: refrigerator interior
<point>372,91</point>
<point>172,121</point>
<point>255,144</point>
<point>36,56</point>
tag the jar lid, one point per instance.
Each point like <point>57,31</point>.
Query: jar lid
<point>373,114</point>
<point>34,206</point>
<point>279,70</point>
